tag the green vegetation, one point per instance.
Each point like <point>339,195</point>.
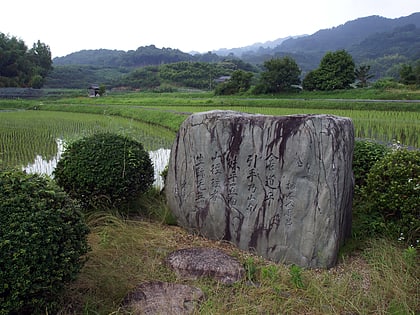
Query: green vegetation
<point>25,134</point>
<point>20,67</point>
<point>410,74</point>
<point>104,170</point>
<point>377,278</point>
<point>42,241</point>
<point>380,120</point>
<point>362,76</point>
<point>280,75</point>
<point>383,44</point>
<point>375,274</point>
<point>335,72</point>
<point>392,195</point>
<point>366,154</point>
<point>239,82</point>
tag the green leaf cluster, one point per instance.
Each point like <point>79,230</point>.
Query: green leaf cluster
<point>410,74</point>
<point>392,192</point>
<point>366,154</point>
<point>335,72</point>
<point>280,75</point>
<point>42,240</point>
<point>105,170</point>
<point>20,67</point>
<point>239,82</point>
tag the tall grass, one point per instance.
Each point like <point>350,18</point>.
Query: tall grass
<point>375,280</point>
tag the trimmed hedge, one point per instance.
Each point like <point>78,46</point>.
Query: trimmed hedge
<point>42,240</point>
<point>105,170</point>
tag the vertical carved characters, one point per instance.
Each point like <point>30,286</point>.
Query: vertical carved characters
<point>280,186</point>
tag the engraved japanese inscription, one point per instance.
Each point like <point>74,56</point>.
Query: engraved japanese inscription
<point>280,186</point>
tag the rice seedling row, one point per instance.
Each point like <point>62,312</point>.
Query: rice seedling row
<point>26,134</point>
<point>383,126</point>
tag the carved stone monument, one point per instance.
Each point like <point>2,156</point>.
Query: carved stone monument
<point>279,186</point>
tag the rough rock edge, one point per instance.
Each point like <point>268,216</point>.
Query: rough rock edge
<point>192,263</point>
<point>158,297</point>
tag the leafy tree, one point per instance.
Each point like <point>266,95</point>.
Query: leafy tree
<point>279,76</point>
<point>40,56</point>
<point>336,71</point>
<point>362,75</point>
<point>240,81</point>
<point>102,90</point>
<point>37,81</point>
<point>410,74</point>
<point>20,67</point>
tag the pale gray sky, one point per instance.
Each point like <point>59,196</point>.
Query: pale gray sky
<point>188,25</point>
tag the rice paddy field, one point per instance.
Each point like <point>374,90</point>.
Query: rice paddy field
<point>24,135</point>
<point>31,131</point>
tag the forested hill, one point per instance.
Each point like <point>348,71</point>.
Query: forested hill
<point>143,56</point>
<point>364,38</point>
<point>347,35</point>
<point>382,43</point>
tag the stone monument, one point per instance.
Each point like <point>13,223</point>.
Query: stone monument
<point>278,186</point>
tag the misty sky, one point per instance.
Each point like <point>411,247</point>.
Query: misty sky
<point>188,25</point>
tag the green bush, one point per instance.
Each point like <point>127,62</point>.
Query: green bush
<point>385,83</point>
<point>392,192</point>
<point>105,170</point>
<point>42,240</point>
<point>366,154</point>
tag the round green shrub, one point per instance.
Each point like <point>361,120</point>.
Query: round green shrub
<point>393,191</point>
<point>366,154</point>
<point>105,170</point>
<point>42,241</point>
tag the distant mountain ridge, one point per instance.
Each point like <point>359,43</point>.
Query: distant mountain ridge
<point>254,47</point>
<point>347,35</point>
<point>382,43</point>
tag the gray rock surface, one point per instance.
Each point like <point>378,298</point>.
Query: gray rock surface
<point>156,298</point>
<point>280,186</point>
<point>192,263</point>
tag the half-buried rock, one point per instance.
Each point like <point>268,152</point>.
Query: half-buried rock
<point>192,263</point>
<point>279,186</point>
<point>155,298</point>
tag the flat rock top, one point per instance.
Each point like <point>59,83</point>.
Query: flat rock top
<point>192,263</point>
<point>162,298</point>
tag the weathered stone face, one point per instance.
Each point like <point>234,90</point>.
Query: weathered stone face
<point>280,186</point>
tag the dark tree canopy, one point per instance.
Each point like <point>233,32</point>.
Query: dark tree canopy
<point>240,81</point>
<point>280,75</point>
<point>336,71</point>
<point>410,74</point>
<point>20,67</point>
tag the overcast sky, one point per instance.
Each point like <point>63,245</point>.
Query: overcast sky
<point>188,25</point>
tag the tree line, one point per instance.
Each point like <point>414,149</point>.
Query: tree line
<point>23,67</point>
<point>336,71</point>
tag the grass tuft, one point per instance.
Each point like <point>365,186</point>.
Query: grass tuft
<point>375,279</point>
